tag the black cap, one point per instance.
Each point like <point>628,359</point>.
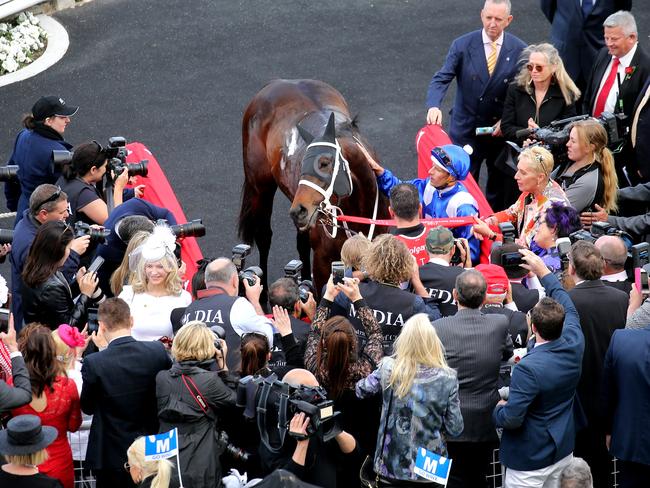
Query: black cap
<point>48,106</point>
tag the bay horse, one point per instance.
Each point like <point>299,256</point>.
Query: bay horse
<point>298,135</point>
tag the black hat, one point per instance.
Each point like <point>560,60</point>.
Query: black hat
<point>48,106</point>
<point>25,435</point>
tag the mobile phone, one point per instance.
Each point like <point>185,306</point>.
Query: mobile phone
<point>338,272</point>
<point>641,281</point>
<point>93,324</point>
<point>95,265</point>
<point>511,259</point>
<point>4,320</point>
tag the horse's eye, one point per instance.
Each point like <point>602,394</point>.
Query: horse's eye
<point>324,161</point>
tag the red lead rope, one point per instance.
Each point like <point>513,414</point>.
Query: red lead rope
<point>446,222</point>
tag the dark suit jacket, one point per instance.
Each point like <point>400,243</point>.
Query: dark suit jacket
<point>524,298</point>
<point>602,310</point>
<point>626,395</point>
<point>637,225</point>
<point>642,148</point>
<point>576,37</point>
<point>119,390</point>
<point>538,419</point>
<point>630,88</point>
<point>624,286</point>
<point>475,344</point>
<point>21,392</point>
<point>479,97</point>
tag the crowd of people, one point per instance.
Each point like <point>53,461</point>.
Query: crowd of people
<point>424,345</point>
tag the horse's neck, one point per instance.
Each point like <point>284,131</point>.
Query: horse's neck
<point>362,201</point>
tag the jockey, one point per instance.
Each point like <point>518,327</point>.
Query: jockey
<point>442,194</point>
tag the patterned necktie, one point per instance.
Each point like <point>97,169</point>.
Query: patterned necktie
<point>492,59</point>
<point>635,121</point>
<point>587,7</point>
<point>607,87</point>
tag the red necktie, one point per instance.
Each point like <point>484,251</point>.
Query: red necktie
<point>604,93</point>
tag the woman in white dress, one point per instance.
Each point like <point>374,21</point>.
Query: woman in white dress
<point>156,288</point>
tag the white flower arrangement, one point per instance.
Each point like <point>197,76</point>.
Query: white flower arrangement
<point>20,40</point>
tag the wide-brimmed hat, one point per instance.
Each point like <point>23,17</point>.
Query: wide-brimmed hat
<point>48,106</point>
<point>25,435</point>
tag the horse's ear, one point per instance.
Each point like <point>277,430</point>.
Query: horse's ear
<point>304,133</point>
<point>330,133</point>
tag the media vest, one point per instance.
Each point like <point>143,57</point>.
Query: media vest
<point>439,282</point>
<point>213,308</point>
<point>391,307</point>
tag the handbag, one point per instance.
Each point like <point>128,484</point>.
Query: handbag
<point>369,478</point>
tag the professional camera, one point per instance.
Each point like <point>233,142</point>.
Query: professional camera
<point>233,451</point>
<point>563,245</point>
<point>9,172</point>
<point>640,254</point>
<point>116,154</point>
<point>6,236</point>
<point>249,275</point>
<point>60,157</point>
<point>599,229</point>
<point>274,403</point>
<point>97,235</point>
<point>193,228</point>
<point>293,270</point>
<point>239,254</point>
<point>508,231</point>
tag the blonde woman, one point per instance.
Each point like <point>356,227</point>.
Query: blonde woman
<point>177,390</point>
<point>542,92</point>
<point>538,192</point>
<point>156,289</point>
<point>589,179</point>
<point>123,274</point>
<point>152,474</point>
<point>420,401</point>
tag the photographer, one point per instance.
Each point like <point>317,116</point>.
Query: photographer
<point>46,204</point>
<point>637,225</point>
<point>191,398</point>
<point>47,296</point>
<point>132,216</point>
<point>589,178</point>
<point>79,180</point>
<point>311,458</point>
<point>438,276</point>
<point>42,134</point>
<point>219,304</point>
<point>614,252</point>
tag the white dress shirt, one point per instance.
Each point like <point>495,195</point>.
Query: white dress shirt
<point>487,44</point>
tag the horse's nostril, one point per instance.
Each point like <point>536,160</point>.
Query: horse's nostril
<point>298,212</point>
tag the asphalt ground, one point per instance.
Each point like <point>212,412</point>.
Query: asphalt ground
<point>177,76</point>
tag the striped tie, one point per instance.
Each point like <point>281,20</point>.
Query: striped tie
<point>492,59</point>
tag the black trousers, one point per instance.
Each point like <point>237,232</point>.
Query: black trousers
<point>109,478</point>
<point>632,475</point>
<point>590,445</point>
<point>470,463</point>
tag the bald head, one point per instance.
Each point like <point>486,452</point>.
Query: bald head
<point>297,377</point>
<point>614,253</point>
<point>220,271</point>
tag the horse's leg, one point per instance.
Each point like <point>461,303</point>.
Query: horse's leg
<point>304,253</point>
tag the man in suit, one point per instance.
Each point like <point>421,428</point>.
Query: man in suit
<point>577,31</point>
<point>618,75</point>
<point>475,344</point>
<point>626,396</point>
<point>640,132</point>
<point>602,310</point>
<point>538,417</point>
<point>483,63</point>
<point>614,253</point>
<point>119,391</point>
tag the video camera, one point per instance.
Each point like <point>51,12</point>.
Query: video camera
<point>97,235</point>
<point>555,135</point>
<point>293,270</point>
<point>9,172</point>
<point>274,403</point>
<point>239,254</point>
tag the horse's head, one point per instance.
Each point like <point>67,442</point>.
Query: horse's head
<point>324,172</point>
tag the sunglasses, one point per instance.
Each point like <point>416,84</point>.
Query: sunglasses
<point>52,198</point>
<point>537,67</point>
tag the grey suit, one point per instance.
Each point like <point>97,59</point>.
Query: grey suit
<point>475,344</point>
<point>21,393</point>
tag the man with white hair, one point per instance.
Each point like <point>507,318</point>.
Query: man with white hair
<point>614,253</point>
<point>618,75</point>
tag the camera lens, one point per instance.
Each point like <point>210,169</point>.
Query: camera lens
<point>8,173</point>
<point>194,228</point>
